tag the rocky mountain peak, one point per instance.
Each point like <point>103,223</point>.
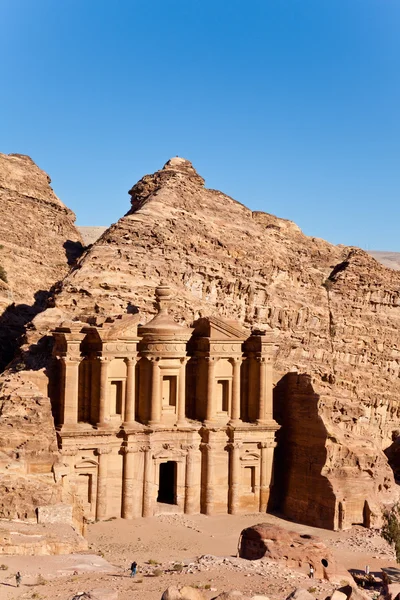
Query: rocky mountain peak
<point>177,173</point>
<point>20,175</point>
<point>184,167</point>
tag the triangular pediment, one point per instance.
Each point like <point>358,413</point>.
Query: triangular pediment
<point>217,328</point>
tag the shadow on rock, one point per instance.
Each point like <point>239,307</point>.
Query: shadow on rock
<point>13,322</point>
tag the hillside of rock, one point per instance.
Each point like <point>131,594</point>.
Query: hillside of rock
<point>335,313</point>
<point>389,259</point>
<point>38,243</point>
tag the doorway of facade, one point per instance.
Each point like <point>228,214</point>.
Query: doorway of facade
<point>167,483</point>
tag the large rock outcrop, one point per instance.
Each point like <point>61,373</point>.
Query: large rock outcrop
<point>29,457</point>
<point>296,550</point>
<point>335,312</point>
<point>38,242</point>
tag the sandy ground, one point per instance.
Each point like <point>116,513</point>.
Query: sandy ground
<point>168,548</point>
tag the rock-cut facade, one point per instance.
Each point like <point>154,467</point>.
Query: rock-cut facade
<point>163,417</point>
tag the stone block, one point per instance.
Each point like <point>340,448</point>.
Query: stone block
<point>56,513</point>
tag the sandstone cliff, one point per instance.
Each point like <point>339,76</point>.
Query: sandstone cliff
<point>38,241</point>
<point>28,450</point>
<point>335,312</point>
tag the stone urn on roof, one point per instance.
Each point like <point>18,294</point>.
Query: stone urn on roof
<point>163,335</point>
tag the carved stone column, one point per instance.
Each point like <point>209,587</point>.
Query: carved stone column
<point>208,490</point>
<point>87,378</point>
<point>101,497</point>
<point>264,485</point>
<point>235,411</point>
<point>251,405</point>
<point>71,391</point>
<point>190,483</point>
<point>182,393</point>
<point>155,407</point>
<point>234,478</point>
<point>128,483</point>
<point>210,412</point>
<point>269,391</point>
<point>147,483</point>
<point>130,390</point>
<point>261,399</point>
<point>104,404</point>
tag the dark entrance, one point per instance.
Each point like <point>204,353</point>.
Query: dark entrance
<point>167,485</point>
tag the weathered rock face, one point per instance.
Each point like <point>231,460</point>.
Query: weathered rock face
<point>38,242</point>
<point>26,539</point>
<point>28,450</point>
<point>335,312</point>
<point>276,543</point>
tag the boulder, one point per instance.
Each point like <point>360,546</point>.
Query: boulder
<point>185,592</point>
<point>392,591</point>
<point>297,550</point>
<point>300,594</point>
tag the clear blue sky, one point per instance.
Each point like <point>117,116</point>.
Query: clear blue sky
<point>289,106</point>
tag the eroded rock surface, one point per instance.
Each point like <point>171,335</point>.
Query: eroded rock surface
<point>38,242</point>
<point>30,464</point>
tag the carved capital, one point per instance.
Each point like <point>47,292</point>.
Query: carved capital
<point>235,445</point>
<point>188,447</point>
<point>102,450</point>
<point>103,359</point>
<point>206,447</point>
<point>130,361</point>
<point>261,359</point>
<point>144,448</point>
<point>184,360</point>
<point>236,360</point>
<point>270,444</point>
<point>128,449</point>
<point>211,360</point>
<point>154,359</point>
<point>71,360</point>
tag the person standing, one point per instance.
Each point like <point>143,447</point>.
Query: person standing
<point>133,568</point>
<point>18,578</point>
<point>311,572</point>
